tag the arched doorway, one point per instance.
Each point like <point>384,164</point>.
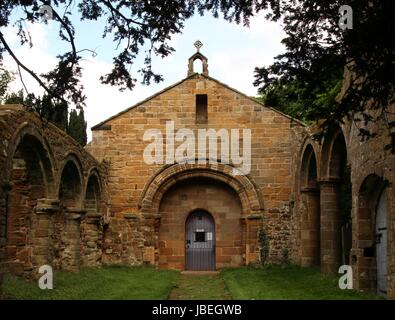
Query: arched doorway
<point>310,209</point>
<point>200,241</point>
<point>66,237</point>
<point>370,239</point>
<point>233,201</point>
<point>335,202</point>
<point>381,243</point>
<point>30,179</point>
<point>91,230</point>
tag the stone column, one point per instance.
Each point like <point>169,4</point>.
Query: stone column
<point>151,236</point>
<point>310,227</point>
<point>91,234</point>
<point>71,253</point>
<point>363,257</point>
<point>251,224</point>
<point>42,230</point>
<point>330,227</point>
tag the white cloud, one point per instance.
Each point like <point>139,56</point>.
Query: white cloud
<point>36,58</point>
<point>231,62</point>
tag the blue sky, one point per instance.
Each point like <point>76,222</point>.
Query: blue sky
<point>232,51</point>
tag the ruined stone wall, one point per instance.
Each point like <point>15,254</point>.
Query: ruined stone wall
<point>372,171</point>
<point>44,175</point>
<point>372,165</point>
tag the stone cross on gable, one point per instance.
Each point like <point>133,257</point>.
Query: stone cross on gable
<point>198,44</point>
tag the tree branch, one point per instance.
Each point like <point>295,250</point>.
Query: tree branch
<point>119,13</point>
<point>20,64</point>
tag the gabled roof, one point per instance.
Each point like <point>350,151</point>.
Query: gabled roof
<point>97,127</point>
<point>253,99</point>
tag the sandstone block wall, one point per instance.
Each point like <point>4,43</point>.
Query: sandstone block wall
<point>49,189</point>
<point>318,233</point>
<point>119,140</point>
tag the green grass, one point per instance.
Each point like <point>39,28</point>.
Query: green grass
<point>286,282</point>
<point>122,282</point>
<point>195,287</point>
<point>107,282</point>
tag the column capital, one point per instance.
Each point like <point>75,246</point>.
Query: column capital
<point>251,216</point>
<point>310,190</point>
<point>93,217</point>
<point>328,181</point>
<point>73,213</point>
<point>46,206</point>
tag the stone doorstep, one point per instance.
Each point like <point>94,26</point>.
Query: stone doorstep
<point>199,273</point>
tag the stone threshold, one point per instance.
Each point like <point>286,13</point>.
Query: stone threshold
<point>199,273</point>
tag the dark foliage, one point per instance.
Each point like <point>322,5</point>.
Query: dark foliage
<point>309,72</point>
<point>316,51</point>
<point>77,126</point>
<point>134,25</point>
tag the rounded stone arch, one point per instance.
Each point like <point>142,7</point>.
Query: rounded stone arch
<point>91,231</point>
<point>336,193</point>
<point>92,191</point>
<point>70,181</point>
<point>365,253</point>
<point>170,175</point>
<point>29,180</point>
<point>28,137</point>
<point>333,153</point>
<point>308,171</point>
<point>310,230</point>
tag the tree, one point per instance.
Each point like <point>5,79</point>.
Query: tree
<point>296,99</point>
<point>5,78</point>
<point>317,49</point>
<point>134,25</point>
<point>77,126</point>
<point>14,98</point>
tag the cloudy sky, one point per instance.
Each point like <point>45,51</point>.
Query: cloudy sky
<point>233,51</point>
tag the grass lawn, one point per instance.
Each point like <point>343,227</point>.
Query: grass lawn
<point>205,287</point>
<point>107,282</point>
<point>286,282</point>
<point>122,282</point>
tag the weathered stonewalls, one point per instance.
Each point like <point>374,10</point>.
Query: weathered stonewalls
<point>119,140</point>
<point>316,232</point>
<point>58,207</point>
<point>216,198</point>
<point>44,175</point>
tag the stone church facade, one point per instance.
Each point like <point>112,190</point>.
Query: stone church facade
<point>150,203</point>
<point>67,206</point>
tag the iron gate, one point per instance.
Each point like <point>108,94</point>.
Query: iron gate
<point>200,241</point>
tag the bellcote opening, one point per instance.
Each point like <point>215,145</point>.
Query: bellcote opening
<point>198,56</point>
<point>198,66</point>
